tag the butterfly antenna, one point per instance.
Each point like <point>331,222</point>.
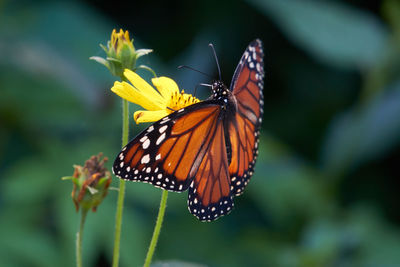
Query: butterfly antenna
<point>190,68</point>
<point>200,84</point>
<point>216,60</point>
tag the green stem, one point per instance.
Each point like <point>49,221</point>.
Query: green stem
<point>79,235</point>
<point>121,191</point>
<point>157,228</point>
<point>125,122</point>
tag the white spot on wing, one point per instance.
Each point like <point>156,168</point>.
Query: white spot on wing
<point>145,159</point>
<point>162,129</point>
<point>160,139</point>
<point>146,143</point>
<point>164,120</point>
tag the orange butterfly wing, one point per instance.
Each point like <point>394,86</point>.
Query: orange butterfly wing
<point>247,85</point>
<point>186,148</point>
<point>209,193</point>
<point>168,153</point>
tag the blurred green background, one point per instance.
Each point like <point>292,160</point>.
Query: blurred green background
<point>326,187</point>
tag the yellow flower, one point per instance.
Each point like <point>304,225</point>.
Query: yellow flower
<point>158,103</point>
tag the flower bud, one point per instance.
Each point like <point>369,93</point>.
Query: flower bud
<point>121,53</point>
<point>90,183</point>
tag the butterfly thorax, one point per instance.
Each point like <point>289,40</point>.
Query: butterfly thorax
<point>222,93</point>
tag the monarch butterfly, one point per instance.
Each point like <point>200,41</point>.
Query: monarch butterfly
<point>209,147</point>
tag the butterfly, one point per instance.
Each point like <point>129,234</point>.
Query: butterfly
<point>209,148</point>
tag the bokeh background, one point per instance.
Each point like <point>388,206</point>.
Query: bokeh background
<point>326,187</point>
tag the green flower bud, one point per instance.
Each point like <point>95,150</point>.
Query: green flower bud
<point>90,183</point>
<point>121,53</point>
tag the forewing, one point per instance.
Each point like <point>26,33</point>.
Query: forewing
<point>168,153</point>
<point>247,86</point>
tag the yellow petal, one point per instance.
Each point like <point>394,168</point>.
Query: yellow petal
<point>165,86</point>
<point>144,88</point>
<point>113,37</point>
<point>127,37</point>
<point>128,92</point>
<point>149,116</point>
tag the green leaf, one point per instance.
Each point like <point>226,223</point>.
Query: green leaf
<point>113,59</point>
<point>285,187</point>
<point>31,247</point>
<point>358,238</point>
<point>101,61</point>
<point>363,133</point>
<point>104,47</point>
<point>142,52</point>
<point>144,67</point>
<point>334,33</point>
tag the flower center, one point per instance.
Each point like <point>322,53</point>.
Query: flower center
<point>180,100</point>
